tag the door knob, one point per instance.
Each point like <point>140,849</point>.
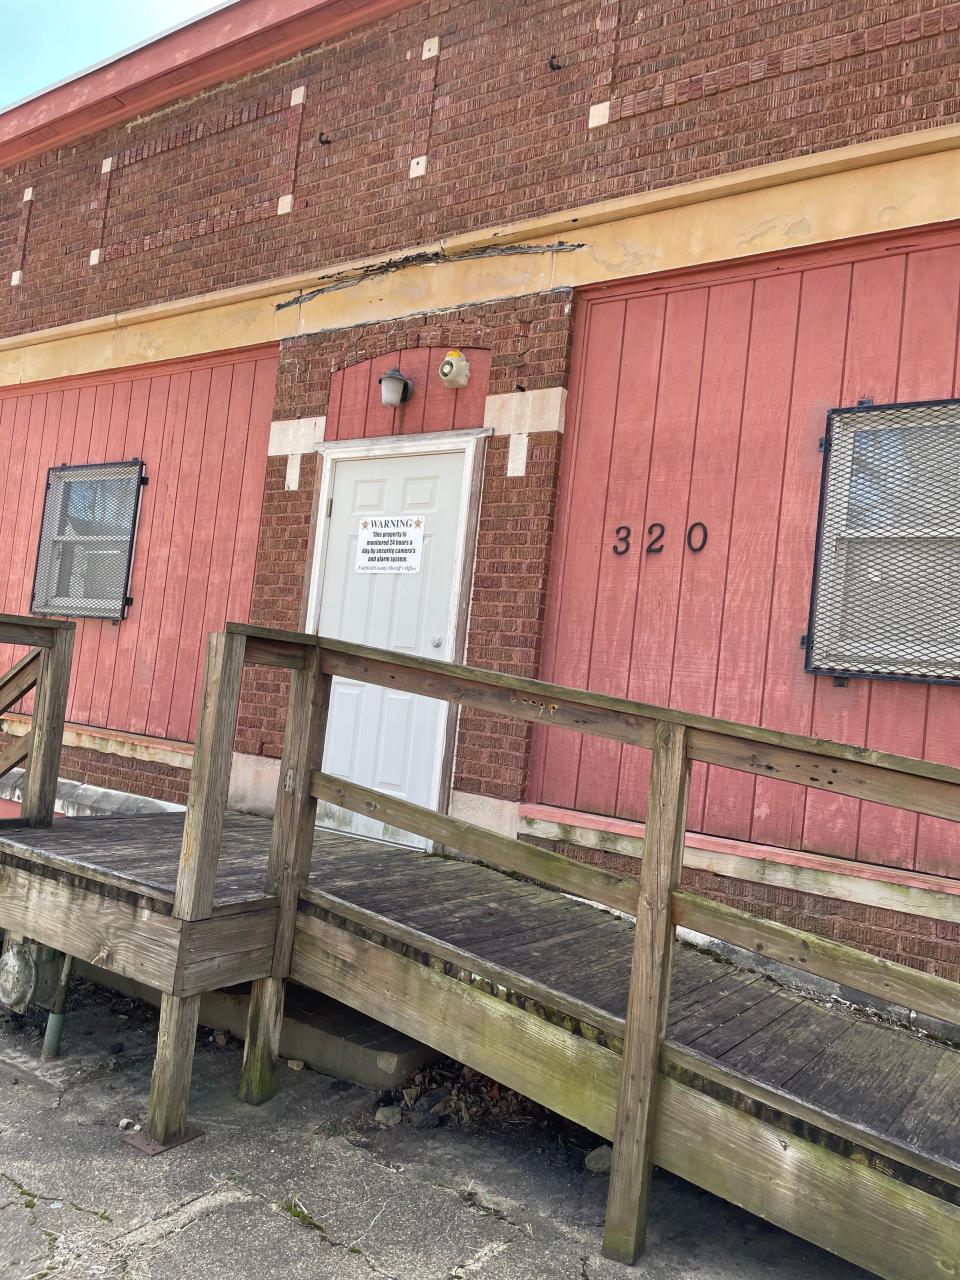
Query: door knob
<point>437,641</point>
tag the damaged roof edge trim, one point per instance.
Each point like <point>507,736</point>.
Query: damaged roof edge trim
<point>348,279</point>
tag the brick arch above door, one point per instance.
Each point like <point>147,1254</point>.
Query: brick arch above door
<point>355,410</point>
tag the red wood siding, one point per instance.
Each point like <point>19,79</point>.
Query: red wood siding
<point>356,412</point>
<point>202,428</point>
<point>704,400</point>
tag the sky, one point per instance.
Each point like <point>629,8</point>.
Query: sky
<point>45,41</point>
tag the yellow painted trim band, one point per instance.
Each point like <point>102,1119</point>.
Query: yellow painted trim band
<point>889,185</point>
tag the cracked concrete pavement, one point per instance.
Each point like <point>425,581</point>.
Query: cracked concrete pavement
<point>307,1186</point>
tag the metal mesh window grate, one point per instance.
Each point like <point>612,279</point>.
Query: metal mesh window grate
<point>86,540</point>
<point>886,596</point>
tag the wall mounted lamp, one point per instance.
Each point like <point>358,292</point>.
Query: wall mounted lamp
<point>395,389</point>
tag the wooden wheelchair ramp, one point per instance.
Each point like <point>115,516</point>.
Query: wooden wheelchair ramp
<point>843,1130</point>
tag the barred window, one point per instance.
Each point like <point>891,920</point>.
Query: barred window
<point>86,540</point>
<point>886,588</point>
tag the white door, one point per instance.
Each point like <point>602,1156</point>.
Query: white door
<point>391,566</point>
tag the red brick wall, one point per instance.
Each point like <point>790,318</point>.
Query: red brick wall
<point>190,202</point>
<point>141,777</point>
<point>508,607</point>
<point>506,613</point>
<point>279,598</point>
<point>528,340</point>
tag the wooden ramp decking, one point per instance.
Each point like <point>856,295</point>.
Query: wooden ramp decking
<point>842,1130</point>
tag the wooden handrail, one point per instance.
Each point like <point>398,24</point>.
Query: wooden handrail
<point>266,647</point>
<point>15,752</point>
<point>20,679</point>
<point>915,893</point>
<point>872,775</point>
<point>37,633</point>
<point>543,865</point>
<point>45,668</point>
<point>920,786</point>
<point>383,666</point>
<point>808,952</point>
<point>896,780</point>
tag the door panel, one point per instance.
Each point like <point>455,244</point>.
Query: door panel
<point>382,738</point>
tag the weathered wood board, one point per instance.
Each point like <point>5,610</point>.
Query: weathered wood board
<point>566,1073</point>
<point>115,935</point>
<point>895,1230</point>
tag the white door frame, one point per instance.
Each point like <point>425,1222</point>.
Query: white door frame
<point>471,444</point>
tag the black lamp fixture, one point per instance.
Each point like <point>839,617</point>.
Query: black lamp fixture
<point>395,389</point>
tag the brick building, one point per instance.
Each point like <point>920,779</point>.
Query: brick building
<point>668,238</point>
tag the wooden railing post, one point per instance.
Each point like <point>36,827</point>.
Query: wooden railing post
<point>196,877</point>
<point>626,1221</point>
<point>46,736</point>
<point>289,866</point>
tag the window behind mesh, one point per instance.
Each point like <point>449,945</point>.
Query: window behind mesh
<point>886,598</point>
<point>86,540</point>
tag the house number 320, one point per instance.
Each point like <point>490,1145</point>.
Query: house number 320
<point>696,538</point>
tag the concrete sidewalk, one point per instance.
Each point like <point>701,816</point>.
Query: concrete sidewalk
<point>308,1186</point>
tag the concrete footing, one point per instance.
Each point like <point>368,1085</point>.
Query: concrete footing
<point>324,1034</point>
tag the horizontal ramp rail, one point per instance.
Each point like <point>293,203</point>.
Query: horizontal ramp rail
<point>915,893</point>
<point>548,868</point>
<point>835,961</point>
<point>920,786</point>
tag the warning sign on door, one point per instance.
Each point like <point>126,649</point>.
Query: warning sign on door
<point>389,544</point>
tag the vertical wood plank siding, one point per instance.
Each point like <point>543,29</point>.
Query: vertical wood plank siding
<point>202,428</point>
<point>704,400</point>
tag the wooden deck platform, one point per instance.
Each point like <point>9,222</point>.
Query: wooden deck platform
<point>139,857</point>
<point>843,1130</point>
<point>563,960</point>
